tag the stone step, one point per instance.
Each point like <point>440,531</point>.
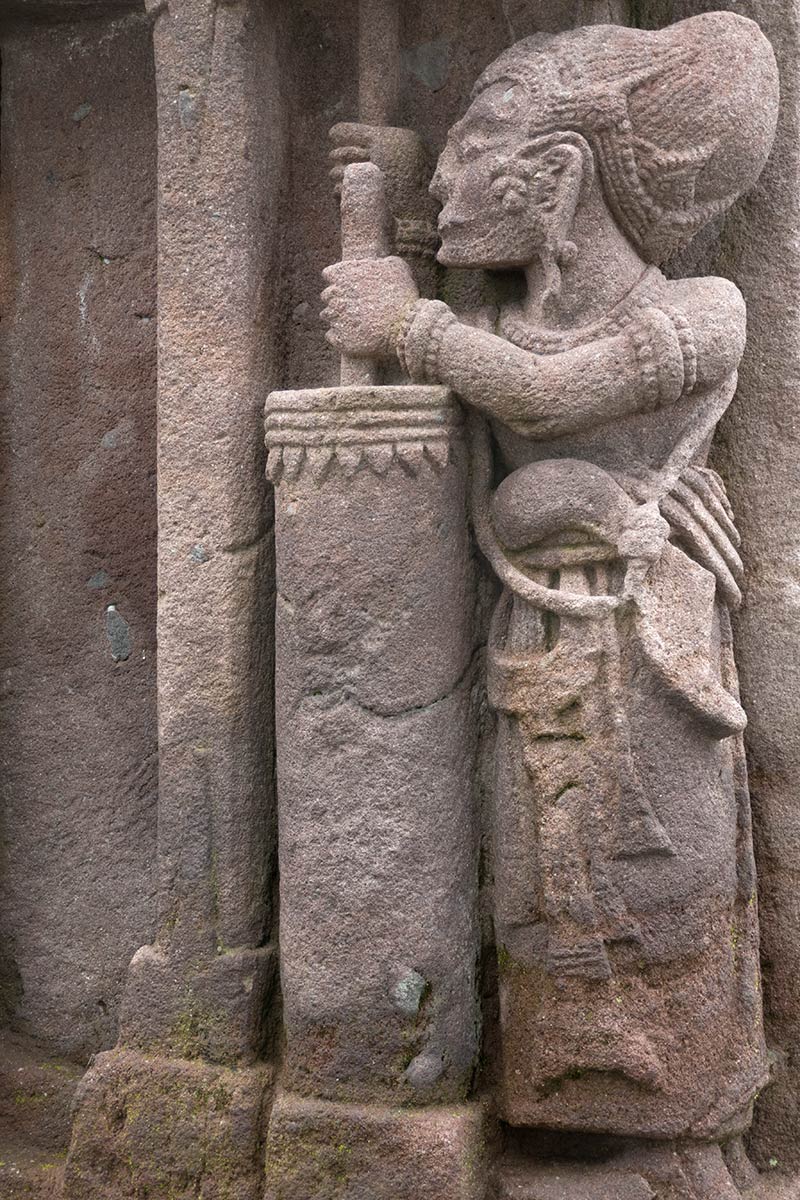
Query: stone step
<point>36,1093</point>
<point>528,1181</point>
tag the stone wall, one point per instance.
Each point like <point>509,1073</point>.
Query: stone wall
<point>80,761</point>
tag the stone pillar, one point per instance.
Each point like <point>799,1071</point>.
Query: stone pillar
<point>377,826</point>
<point>757,450</point>
<point>186,1075</point>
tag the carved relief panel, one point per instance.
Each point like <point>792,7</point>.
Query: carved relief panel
<point>624,899</point>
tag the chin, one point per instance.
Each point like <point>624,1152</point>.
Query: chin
<point>476,256</point>
<point>451,256</point>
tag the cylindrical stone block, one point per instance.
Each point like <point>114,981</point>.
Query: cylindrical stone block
<point>377,828</point>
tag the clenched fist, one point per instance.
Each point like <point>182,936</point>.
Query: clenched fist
<point>366,301</point>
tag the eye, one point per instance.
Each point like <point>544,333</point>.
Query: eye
<point>471,148</point>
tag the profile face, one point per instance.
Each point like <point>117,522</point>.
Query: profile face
<point>491,218</point>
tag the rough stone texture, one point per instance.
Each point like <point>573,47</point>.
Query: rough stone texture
<point>316,1148</point>
<point>760,450</point>
<point>646,1172</point>
<point>377,830</point>
<point>242,243</point>
<point>625,905</point>
<point>36,1094</point>
<point>220,1012</point>
<point>205,986</point>
<point>625,902</point>
<point>167,1128</point>
<point>221,151</point>
<point>77,819</point>
<point>444,47</point>
<point>571,1183</point>
<point>757,453</point>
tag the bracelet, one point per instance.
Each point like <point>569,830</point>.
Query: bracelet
<point>420,339</point>
<point>654,336</point>
<point>688,348</point>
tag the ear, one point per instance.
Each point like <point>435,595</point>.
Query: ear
<point>562,170</point>
<point>563,175</point>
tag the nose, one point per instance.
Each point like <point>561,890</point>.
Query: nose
<point>439,186</point>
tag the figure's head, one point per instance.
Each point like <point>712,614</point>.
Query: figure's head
<point>506,195</point>
<point>668,126</point>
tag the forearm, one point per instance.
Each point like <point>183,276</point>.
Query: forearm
<point>550,395</point>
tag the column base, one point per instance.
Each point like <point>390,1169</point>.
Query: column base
<point>167,1129</point>
<point>213,1009</point>
<point>320,1150</point>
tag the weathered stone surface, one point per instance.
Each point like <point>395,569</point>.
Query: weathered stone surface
<point>758,452</point>
<point>160,1127</point>
<point>616,880</point>
<point>220,156</point>
<point>204,988</point>
<point>77,358</point>
<point>625,889</point>
<point>218,1011</point>
<point>637,1171</point>
<point>64,10</point>
<point>625,902</point>
<point>377,833</point>
<point>572,1183</point>
<point>36,1094</point>
<point>316,1148</point>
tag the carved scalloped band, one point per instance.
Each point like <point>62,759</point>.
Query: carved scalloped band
<point>359,428</point>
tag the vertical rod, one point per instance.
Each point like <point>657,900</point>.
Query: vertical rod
<point>378,91</point>
<point>602,12</point>
<point>378,61</point>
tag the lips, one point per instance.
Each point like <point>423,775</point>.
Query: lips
<point>448,222</point>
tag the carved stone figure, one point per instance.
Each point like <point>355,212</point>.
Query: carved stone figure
<point>625,893</point>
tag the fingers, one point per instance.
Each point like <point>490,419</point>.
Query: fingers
<point>708,486</point>
<point>352,143</point>
<point>717,485</point>
<point>348,154</point>
<point>352,133</point>
<point>703,549</point>
<point>717,534</point>
<point>334,306</point>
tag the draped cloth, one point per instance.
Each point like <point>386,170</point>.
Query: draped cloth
<point>625,901</point>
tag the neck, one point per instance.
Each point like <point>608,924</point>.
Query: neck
<point>604,271</point>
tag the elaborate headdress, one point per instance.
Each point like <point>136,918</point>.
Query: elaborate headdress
<point>680,120</point>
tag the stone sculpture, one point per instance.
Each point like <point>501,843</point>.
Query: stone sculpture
<point>625,906</point>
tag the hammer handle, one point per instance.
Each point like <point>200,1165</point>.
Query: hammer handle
<point>365,234</point>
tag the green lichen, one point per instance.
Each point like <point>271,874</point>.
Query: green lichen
<point>198,1028</point>
<point>321,1161</point>
<point>506,963</point>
